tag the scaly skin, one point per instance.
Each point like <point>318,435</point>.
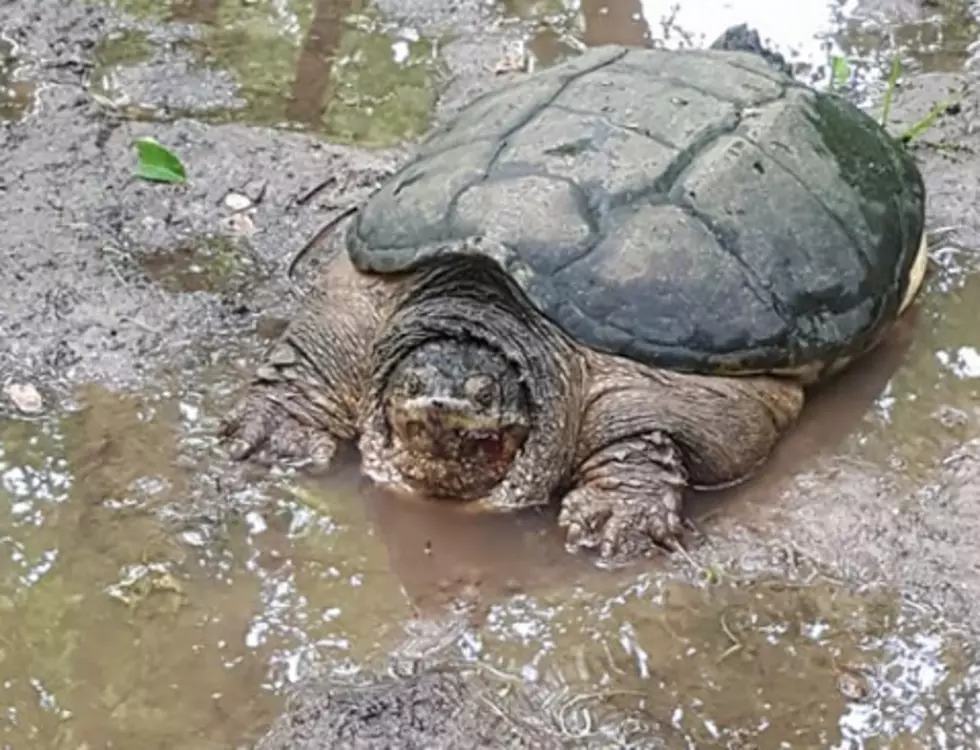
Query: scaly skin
<point>455,387</point>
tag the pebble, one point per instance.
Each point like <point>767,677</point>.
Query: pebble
<point>237,201</point>
<point>25,397</point>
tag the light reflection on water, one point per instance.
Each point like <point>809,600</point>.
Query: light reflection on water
<point>805,31</point>
<point>119,628</point>
<point>869,34</point>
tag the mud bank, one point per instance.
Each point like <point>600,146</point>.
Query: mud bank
<point>841,584</point>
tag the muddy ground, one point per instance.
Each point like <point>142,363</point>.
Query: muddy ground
<point>136,309</point>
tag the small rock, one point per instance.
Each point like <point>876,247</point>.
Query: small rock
<point>515,60</point>
<point>255,190</point>
<point>25,397</point>
<point>239,224</point>
<point>951,417</point>
<point>237,201</point>
<point>852,684</point>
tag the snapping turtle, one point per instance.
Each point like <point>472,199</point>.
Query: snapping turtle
<point>602,284</point>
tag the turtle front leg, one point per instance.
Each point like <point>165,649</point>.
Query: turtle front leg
<point>291,413</point>
<point>648,435</point>
<point>303,400</point>
<point>628,499</point>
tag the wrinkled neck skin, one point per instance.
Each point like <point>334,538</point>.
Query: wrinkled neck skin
<point>474,396</point>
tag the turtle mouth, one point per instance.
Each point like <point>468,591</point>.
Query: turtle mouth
<point>459,443</point>
<point>450,433</point>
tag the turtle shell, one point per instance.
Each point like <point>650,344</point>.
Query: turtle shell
<point>696,210</point>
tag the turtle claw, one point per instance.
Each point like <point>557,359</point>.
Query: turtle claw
<point>239,450</point>
<point>261,429</point>
<point>622,524</point>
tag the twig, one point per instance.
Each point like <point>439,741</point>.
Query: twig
<point>305,197</point>
<point>319,235</point>
<point>736,643</point>
<point>588,730</point>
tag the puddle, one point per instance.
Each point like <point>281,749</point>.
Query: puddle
<point>118,630</point>
<point>932,404</point>
<point>16,96</point>
<point>341,70</point>
<point>784,666</point>
<point>932,36</point>
<point>122,630</point>
<point>207,264</point>
<point>332,67</point>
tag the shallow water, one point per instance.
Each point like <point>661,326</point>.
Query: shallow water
<point>132,616</point>
<point>337,68</point>
<point>15,95</point>
<point>928,36</point>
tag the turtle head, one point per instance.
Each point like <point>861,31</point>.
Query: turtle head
<point>457,413</point>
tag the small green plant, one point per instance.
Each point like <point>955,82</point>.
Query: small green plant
<point>840,71</point>
<point>916,129</point>
<point>893,74</point>
<point>158,164</point>
<point>840,74</point>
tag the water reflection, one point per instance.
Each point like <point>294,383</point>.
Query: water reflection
<point>15,95</point>
<point>333,67</point>
<point>928,37</point>
<point>323,37</point>
<point>120,630</point>
<point>760,662</point>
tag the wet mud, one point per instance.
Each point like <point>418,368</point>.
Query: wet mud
<point>153,595</point>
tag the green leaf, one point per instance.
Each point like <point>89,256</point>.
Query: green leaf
<point>840,71</point>
<point>157,164</point>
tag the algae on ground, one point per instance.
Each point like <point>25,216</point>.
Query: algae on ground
<point>123,47</point>
<point>384,85</point>
<point>539,10</point>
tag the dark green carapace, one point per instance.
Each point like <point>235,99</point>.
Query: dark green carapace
<point>697,210</point>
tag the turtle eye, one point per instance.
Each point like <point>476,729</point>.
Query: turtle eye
<point>481,388</point>
<point>412,384</point>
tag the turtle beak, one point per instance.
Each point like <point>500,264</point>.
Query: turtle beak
<point>447,414</point>
<point>451,430</point>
